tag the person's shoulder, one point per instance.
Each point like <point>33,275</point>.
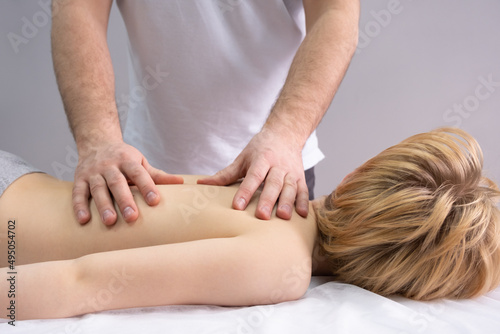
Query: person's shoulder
<point>285,251</point>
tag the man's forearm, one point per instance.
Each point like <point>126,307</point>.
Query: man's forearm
<point>316,71</point>
<point>84,70</point>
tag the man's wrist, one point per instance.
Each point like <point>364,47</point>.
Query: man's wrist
<point>284,132</point>
<point>95,139</point>
<point>90,133</point>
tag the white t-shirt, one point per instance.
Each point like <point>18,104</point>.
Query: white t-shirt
<point>204,76</point>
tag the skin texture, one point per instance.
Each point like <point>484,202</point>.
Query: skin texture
<point>106,164</point>
<point>191,248</point>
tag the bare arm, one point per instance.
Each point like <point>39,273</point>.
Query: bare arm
<point>223,271</point>
<point>317,69</point>
<point>274,154</point>
<point>85,77</point>
<point>84,71</point>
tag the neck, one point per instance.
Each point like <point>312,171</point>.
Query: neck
<point>320,266</point>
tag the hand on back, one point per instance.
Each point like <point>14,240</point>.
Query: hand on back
<point>106,172</point>
<point>270,159</point>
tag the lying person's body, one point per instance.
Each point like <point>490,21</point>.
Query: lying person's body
<point>418,220</point>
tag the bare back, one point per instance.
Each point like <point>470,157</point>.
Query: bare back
<point>46,229</point>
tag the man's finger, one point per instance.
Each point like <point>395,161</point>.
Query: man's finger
<point>81,196</point>
<point>100,193</point>
<point>161,177</point>
<point>252,181</point>
<point>272,189</point>
<point>302,201</point>
<point>140,177</point>
<point>224,177</point>
<point>118,186</point>
<point>287,197</point>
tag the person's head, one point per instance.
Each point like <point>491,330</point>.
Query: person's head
<point>418,220</point>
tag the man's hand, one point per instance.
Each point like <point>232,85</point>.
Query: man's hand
<point>107,171</point>
<point>268,158</point>
<point>273,156</point>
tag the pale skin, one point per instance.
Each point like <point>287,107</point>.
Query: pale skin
<point>192,248</point>
<point>106,164</point>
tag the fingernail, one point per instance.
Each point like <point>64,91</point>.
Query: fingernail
<point>81,215</point>
<point>303,208</point>
<point>266,210</point>
<point>128,212</point>
<point>286,208</point>
<point>107,214</point>
<point>151,197</point>
<point>240,204</point>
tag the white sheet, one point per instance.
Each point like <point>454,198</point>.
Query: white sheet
<point>327,307</point>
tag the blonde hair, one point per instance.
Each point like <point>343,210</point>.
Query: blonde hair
<point>418,220</point>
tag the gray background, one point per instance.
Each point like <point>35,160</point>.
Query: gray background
<point>409,71</point>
